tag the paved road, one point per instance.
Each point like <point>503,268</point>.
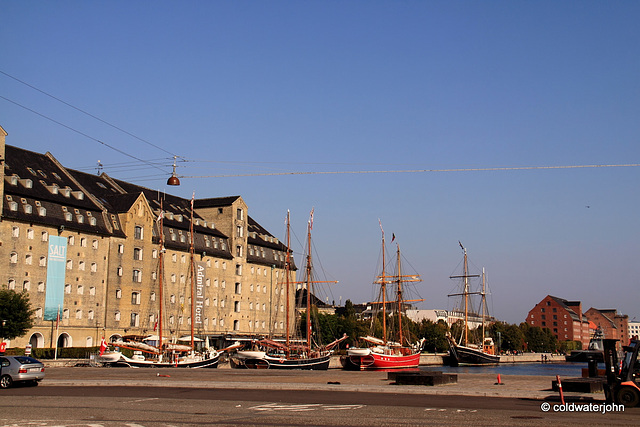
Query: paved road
<point>123,397</point>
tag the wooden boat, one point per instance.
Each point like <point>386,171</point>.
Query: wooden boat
<point>383,353</point>
<point>169,354</point>
<point>463,352</point>
<point>269,354</point>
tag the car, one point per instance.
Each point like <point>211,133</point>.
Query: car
<point>20,369</point>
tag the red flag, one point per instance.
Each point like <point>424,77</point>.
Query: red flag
<point>103,346</point>
<point>393,237</point>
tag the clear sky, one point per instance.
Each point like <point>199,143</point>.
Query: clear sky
<point>257,87</point>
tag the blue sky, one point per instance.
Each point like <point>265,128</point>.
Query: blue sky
<point>254,87</point>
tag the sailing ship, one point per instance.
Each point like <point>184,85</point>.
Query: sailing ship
<point>384,353</point>
<point>157,352</point>
<point>291,354</point>
<point>462,351</point>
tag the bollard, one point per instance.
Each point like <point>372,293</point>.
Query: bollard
<point>560,389</point>
<point>499,382</point>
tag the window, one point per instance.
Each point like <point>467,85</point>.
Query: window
<point>27,259</point>
<point>135,320</point>
<point>39,312</point>
<point>120,248</point>
<point>90,315</point>
<point>78,314</point>
<point>68,216</point>
<point>26,285</point>
<point>238,288</point>
<point>119,271</point>
<point>67,288</point>
<point>138,232</point>
<point>94,267</point>
<point>71,240</point>
<point>42,211</point>
<point>239,269</point>
<point>154,254</point>
<point>12,284</point>
<point>94,244</point>
<point>117,316</point>
<point>236,325</point>
<point>40,286</point>
<point>92,290</point>
<point>239,250</point>
<point>15,232</point>
<point>80,290</point>
<point>43,261</point>
<point>152,296</point>
<point>239,231</point>
<point>83,242</point>
<point>30,233</point>
<point>81,265</point>
<point>135,298</point>
<point>137,254</point>
<point>118,293</point>
<point>45,236</point>
<point>137,276</point>
<point>239,214</point>
<point>13,258</point>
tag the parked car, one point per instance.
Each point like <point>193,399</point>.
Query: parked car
<point>15,369</point>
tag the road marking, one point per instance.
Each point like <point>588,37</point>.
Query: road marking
<point>270,407</point>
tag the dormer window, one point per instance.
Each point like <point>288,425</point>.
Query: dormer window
<point>14,179</point>
<point>66,192</point>
<point>93,221</point>
<point>56,176</point>
<point>179,218</point>
<point>42,211</point>
<point>80,219</point>
<point>27,208</point>
<point>68,216</point>
<point>13,206</point>
<point>42,174</point>
<point>32,172</point>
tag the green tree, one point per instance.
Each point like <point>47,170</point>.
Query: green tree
<point>435,336</point>
<point>16,314</point>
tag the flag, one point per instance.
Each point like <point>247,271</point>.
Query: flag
<point>380,222</point>
<point>393,237</point>
<point>311,219</point>
<point>103,346</point>
<point>193,197</point>
<point>155,325</point>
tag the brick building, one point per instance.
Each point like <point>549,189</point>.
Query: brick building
<point>613,325</point>
<point>88,247</point>
<point>564,319</point>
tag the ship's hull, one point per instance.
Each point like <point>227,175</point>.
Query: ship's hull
<point>320,363</point>
<point>134,363</point>
<point>585,356</point>
<point>461,355</point>
<point>360,361</point>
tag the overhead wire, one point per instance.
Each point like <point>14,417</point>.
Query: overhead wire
<point>87,113</point>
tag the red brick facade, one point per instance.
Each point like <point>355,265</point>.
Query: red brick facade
<point>563,318</point>
<point>613,325</point>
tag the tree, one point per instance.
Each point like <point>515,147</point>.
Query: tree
<point>16,314</point>
<point>435,336</point>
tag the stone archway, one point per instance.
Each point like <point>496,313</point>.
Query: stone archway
<point>36,340</point>
<point>64,340</point>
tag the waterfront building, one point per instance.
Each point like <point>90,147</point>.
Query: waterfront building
<point>86,248</point>
<point>612,324</point>
<point>563,318</point>
<point>634,329</point>
<point>450,317</point>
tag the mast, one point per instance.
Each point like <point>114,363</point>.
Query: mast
<point>161,271</point>
<point>191,252</point>
<point>309,227</point>
<point>383,290</point>
<point>483,308</point>
<point>399,295</point>
<point>466,297</point>
<point>287,269</point>
<point>465,293</point>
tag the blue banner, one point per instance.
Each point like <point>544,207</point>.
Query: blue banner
<point>56,269</point>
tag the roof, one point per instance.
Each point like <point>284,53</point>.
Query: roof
<point>215,202</point>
